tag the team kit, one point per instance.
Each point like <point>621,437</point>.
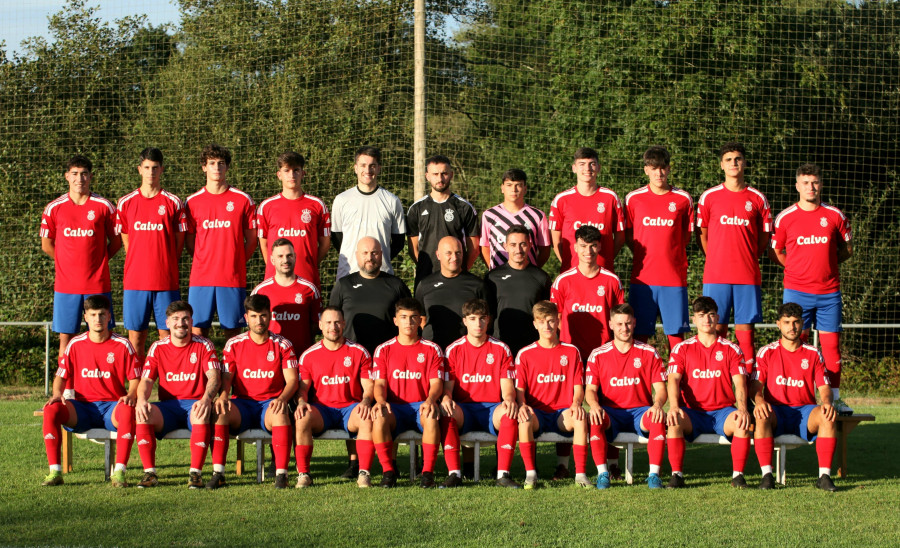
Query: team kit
<point>515,354</point>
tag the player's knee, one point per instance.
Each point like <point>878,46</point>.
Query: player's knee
<point>56,413</point>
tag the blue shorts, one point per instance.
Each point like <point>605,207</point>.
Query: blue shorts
<point>549,422</point>
<point>253,413</point>
<point>746,300</point>
<point>136,307</point>
<point>822,310</point>
<point>478,416</point>
<point>407,417</point>
<point>793,420</point>
<point>707,422</point>
<point>625,420</point>
<point>337,417</point>
<point>671,303</point>
<point>228,302</point>
<point>176,414</point>
<point>93,414</point>
<point>68,311</point>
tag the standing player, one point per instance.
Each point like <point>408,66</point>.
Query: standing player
<point>335,392</point>
<point>295,301</point>
<point>702,398</point>
<point>189,378</point>
<point>550,393</point>
<point>735,222</point>
<point>367,210</point>
<point>512,211</point>
<point>660,219</point>
<point>626,390</point>
<point>440,213</point>
<point>479,394</point>
<point>221,238</point>
<point>262,369</point>
<point>152,223</point>
<point>407,371</point>
<point>589,204</point>
<point>444,293</point>
<point>96,365</point>
<point>78,231</point>
<point>785,400</point>
<point>811,239</point>
<point>513,288</point>
<point>300,217</point>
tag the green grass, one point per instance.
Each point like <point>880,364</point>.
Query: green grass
<point>87,511</point>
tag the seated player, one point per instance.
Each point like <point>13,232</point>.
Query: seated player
<point>96,365</point>
<point>189,377</point>
<point>702,399</point>
<point>262,369</point>
<point>479,394</point>
<point>625,384</point>
<point>782,390</point>
<point>407,371</point>
<point>550,392</point>
<point>335,392</point>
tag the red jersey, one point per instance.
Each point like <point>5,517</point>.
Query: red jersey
<point>477,370</point>
<point>790,378</point>
<point>408,370</point>
<point>548,376</point>
<point>219,222</point>
<point>706,373</point>
<point>257,369</point>
<point>98,371</point>
<point>658,224</point>
<point>811,241</point>
<point>295,310</point>
<point>80,234</point>
<point>584,305</point>
<point>625,380</point>
<point>151,262</point>
<point>302,221</point>
<point>181,370</point>
<point>335,375</point>
<point>569,210</point>
<point>734,220</point>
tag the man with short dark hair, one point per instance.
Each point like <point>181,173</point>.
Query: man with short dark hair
<point>513,211</point>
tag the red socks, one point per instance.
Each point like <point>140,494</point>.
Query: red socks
<point>124,415</point>
<point>366,450</point>
<point>384,455</point>
<point>526,448</point>
<point>220,444</point>
<point>450,441</point>
<point>740,448</point>
<point>281,447</point>
<point>656,444</point>
<point>429,456</point>
<point>580,454</point>
<point>745,341</point>
<point>597,439</point>
<point>146,442</point>
<point>825,451</point>
<point>764,448</point>
<point>55,415</point>
<point>199,445</point>
<point>676,453</point>
<point>506,442</point>
<point>304,455</point>
<point>675,340</point>
<point>831,353</point>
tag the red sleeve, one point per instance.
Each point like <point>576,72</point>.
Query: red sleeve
<point>121,220</point>
<point>618,294</point>
<point>324,222</point>
<point>288,358</point>
<point>228,363</point>
<point>151,367</point>
<point>261,224</point>
<point>48,226</point>
<point>507,365</point>
<point>556,218</point>
<point>736,362</point>
<point>304,367</point>
<point>765,215</point>
<point>249,219</point>
<point>761,371</point>
<point>690,216</point>
<point>111,225</point>
<point>379,365</point>
<point>821,374</point>
<point>189,226</point>
<point>676,362</point>
<point>779,236</point>
<point>590,372</point>
<point>521,374</point>
<point>843,227</point>
<point>702,214</point>
<point>579,369</point>
<point>365,365</point>
<point>619,216</point>
<point>436,367</point>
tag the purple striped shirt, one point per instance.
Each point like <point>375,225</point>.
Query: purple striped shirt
<point>497,220</point>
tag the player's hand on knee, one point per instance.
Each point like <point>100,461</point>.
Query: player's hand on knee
<point>142,411</point>
<point>674,416</point>
<point>510,409</point>
<point>596,415</point>
<point>303,409</point>
<point>223,405</point>
<point>828,412</point>
<point>762,411</point>
<point>525,413</point>
<point>657,414</point>
<point>54,399</point>
<point>742,419</point>
<point>127,400</point>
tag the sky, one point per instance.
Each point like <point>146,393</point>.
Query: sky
<point>23,19</point>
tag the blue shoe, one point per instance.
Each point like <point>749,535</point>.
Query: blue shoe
<point>653,481</point>
<point>603,481</point>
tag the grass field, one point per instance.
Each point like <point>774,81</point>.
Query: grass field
<point>88,512</point>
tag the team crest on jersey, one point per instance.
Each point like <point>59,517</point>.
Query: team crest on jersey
<point>92,216</point>
<point>601,290</point>
<point>306,216</point>
<point>298,298</point>
<point>448,215</point>
<point>421,357</point>
<point>637,363</point>
<point>271,356</point>
<point>193,357</point>
<point>719,356</point>
<point>110,358</point>
<point>161,210</point>
<point>601,208</point>
<point>563,361</point>
<point>347,361</point>
<point>490,358</point>
<point>672,207</point>
<point>748,206</point>
<point>823,222</point>
<point>804,364</point>
<point>229,206</point>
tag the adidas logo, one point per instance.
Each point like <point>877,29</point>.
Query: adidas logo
<point>596,438</point>
<point>127,436</point>
<point>450,447</point>
<point>49,437</point>
<point>143,442</point>
<point>201,444</point>
<point>659,438</point>
<point>506,446</point>
<point>425,212</point>
<point>217,438</point>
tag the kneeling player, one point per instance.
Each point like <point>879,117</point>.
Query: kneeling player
<point>782,389</point>
<point>335,392</point>
<point>407,371</point>
<point>262,368</point>
<point>189,377</point>
<point>550,392</point>
<point>479,394</point>
<point>96,365</point>
<point>701,372</point>
<point>621,375</point>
